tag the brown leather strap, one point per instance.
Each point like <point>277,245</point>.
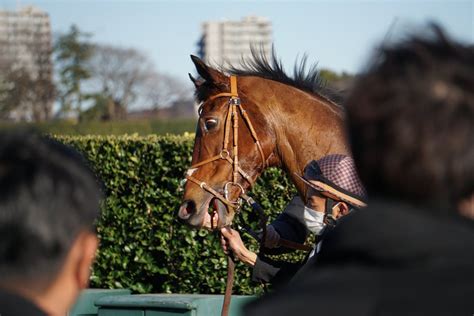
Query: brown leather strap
<point>263,225</point>
<point>294,245</point>
<point>233,86</point>
<point>235,123</point>
<point>204,186</point>
<point>232,115</point>
<point>220,95</point>
<point>225,156</point>
<point>227,129</point>
<point>228,286</point>
<point>254,135</point>
<point>201,163</point>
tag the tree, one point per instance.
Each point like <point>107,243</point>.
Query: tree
<point>73,52</point>
<point>331,76</point>
<point>103,108</point>
<point>120,72</point>
<point>18,94</point>
<point>5,84</point>
<point>128,78</point>
<point>163,90</point>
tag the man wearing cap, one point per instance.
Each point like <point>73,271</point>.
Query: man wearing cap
<point>333,191</point>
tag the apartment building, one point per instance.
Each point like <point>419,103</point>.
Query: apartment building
<point>26,45</point>
<point>225,43</point>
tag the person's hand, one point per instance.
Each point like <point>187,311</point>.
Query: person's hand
<point>272,238</point>
<point>231,241</point>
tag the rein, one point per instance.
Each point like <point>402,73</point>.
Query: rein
<point>234,108</point>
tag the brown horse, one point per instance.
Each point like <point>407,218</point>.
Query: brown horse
<point>281,121</point>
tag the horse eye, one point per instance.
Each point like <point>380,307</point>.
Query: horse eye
<point>211,123</point>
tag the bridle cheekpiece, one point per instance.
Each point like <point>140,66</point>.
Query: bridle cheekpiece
<point>235,107</point>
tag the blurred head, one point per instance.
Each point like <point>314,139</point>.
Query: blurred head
<point>49,201</point>
<point>411,121</point>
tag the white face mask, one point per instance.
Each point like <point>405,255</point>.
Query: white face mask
<point>314,220</point>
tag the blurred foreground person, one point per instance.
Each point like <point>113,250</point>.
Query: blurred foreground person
<point>49,201</point>
<point>411,252</point>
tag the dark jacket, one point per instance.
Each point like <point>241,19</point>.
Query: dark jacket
<point>15,305</point>
<point>388,259</point>
<point>277,272</point>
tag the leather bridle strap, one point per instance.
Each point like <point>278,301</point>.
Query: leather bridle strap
<point>223,155</point>
<point>204,186</point>
<point>263,225</point>
<point>232,118</point>
<point>228,285</point>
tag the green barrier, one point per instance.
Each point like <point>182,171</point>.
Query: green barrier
<point>85,304</point>
<point>169,305</point>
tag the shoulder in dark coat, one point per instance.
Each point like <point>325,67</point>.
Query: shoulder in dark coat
<point>14,305</point>
<point>389,259</point>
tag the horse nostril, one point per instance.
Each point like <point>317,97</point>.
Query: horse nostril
<point>187,209</point>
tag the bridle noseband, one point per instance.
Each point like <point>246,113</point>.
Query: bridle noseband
<point>235,107</point>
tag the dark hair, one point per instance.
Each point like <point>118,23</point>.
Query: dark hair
<point>47,196</point>
<point>411,120</point>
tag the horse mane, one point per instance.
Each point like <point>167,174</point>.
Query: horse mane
<point>272,68</point>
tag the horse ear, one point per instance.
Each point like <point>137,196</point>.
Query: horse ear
<point>197,82</point>
<point>207,73</point>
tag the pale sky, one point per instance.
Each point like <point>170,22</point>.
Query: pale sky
<point>337,34</point>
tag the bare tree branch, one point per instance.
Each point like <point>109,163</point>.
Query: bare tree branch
<point>119,72</point>
<point>129,79</point>
<point>162,90</point>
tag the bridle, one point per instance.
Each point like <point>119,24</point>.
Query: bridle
<point>234,108</point>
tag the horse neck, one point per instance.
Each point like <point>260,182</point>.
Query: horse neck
<point>306,128</point>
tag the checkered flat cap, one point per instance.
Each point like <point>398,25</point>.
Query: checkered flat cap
<point>337,175</point>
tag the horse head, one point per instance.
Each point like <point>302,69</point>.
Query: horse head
<point>233,145</point>
<point>259,119</point>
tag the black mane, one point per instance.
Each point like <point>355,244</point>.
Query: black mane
<point>310,81</point>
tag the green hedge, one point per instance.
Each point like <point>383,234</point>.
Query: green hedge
<point>143,246</point>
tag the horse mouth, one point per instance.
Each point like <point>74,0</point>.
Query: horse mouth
<point>215,215</point>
